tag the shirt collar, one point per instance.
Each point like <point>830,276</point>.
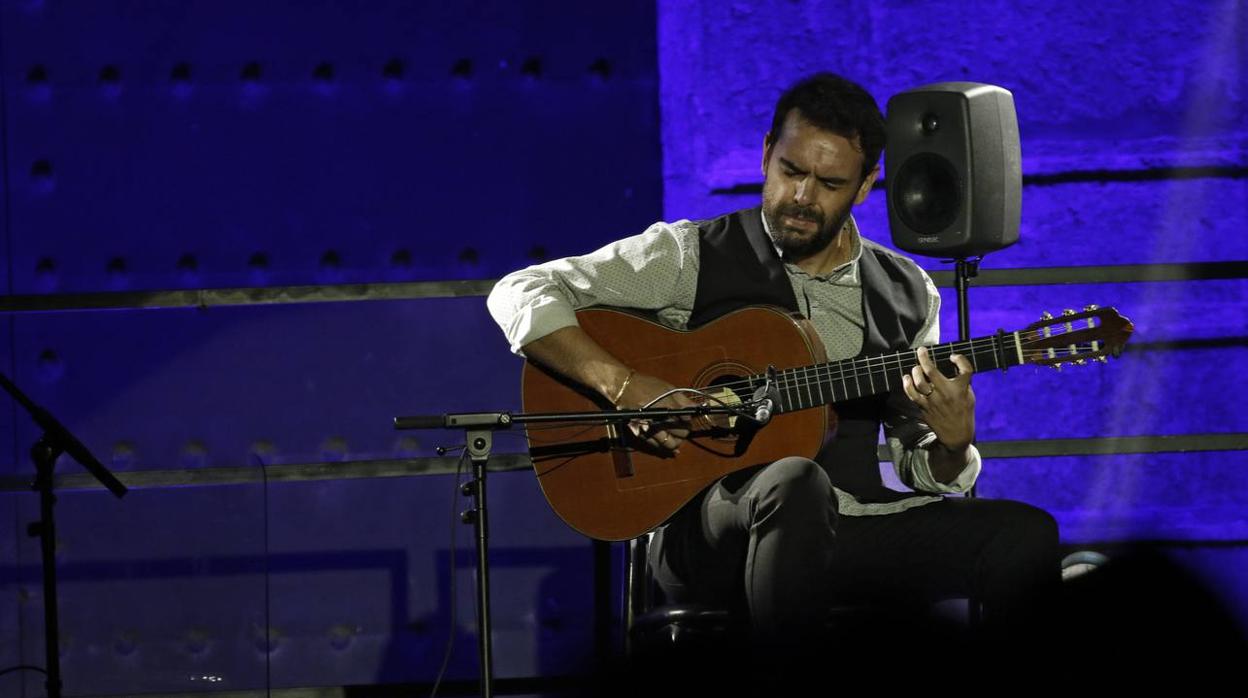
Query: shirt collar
<point>849,268</point>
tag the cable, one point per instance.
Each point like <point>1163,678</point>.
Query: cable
<point>23,667</point>
<point>450,640</point>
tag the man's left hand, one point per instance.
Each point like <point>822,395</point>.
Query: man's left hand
<point>948,404</point>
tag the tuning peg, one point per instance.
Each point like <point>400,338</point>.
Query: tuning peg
<point>1068,311</point>
<point>1046,315</point>
<point>1080,362</point>
<point>1058,365</point>
<point>1103,359</point>
<point>1091,306</point>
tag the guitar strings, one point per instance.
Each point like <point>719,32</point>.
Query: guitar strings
<point>835,370</point>
<point>851,369</point>
<point>867,367</point>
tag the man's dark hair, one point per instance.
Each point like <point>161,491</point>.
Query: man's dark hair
<point>834,104</point>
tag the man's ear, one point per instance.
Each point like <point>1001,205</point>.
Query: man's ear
<point>867,183</point>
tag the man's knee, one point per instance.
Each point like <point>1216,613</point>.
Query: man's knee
<point>1030,526</point>
<point>796,484</point>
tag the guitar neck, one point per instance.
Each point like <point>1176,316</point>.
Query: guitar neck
<point>838,381</point>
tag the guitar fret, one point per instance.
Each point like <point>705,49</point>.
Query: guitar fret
<point>819,384</point>
<point>870,378</point>
<point>806,383</point>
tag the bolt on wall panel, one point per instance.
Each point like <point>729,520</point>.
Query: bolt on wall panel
<point>163,590</point>
<point>186,146</point>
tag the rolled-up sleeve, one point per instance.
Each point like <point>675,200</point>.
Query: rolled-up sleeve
<point>908,437</point>
<point>654,270</point>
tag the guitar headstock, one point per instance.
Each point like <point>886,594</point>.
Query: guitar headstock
<point>1094,334</point>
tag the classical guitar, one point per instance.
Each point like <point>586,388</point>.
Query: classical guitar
<point>611,486</point>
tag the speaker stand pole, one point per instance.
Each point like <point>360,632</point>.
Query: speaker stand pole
<point>963,271</point>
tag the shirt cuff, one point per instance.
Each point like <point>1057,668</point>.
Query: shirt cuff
<point>921,470</point>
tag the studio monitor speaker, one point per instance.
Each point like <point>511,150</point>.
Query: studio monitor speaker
<point>953,171</point>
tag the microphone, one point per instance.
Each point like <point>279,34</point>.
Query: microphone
<point>765,398</point>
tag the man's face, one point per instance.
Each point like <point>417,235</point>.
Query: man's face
<point>811,181</point>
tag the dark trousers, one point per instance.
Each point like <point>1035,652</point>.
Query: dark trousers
<point>771,542</point>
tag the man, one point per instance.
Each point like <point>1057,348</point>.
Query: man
<point>786,539</point>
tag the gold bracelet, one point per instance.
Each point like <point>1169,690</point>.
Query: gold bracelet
<point>623,387</point>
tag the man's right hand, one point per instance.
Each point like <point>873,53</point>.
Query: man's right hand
<point>573,353</point>
<point>667,435</point>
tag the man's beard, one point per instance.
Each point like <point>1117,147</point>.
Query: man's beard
<point>792,243</point>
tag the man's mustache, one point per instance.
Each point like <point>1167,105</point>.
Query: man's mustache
<point>801,213</point>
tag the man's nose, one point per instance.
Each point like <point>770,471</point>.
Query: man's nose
<point>802,194</point>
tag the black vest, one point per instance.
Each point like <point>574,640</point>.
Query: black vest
<point>739,266</point>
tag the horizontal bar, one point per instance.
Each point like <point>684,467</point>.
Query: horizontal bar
<point>510,462</point>
<point>1046,179</point>
<point>1111,274</point>
<point>218,297</point>
<point>1114,445</point>
<point>292,472</point>
<point>508,685</point>
<point>277,295</point>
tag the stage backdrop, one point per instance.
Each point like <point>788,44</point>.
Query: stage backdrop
<point>1134,132</point>
<point>353,175</point>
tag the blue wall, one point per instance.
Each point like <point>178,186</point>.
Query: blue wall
<point>1115,101</point>
<point>188,145</point>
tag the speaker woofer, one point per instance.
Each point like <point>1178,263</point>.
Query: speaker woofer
<point>927,193</point>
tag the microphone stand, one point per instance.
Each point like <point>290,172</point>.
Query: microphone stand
<point>479,428</point>
<point>56,439</point>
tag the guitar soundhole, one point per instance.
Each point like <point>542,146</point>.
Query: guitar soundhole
<point>729,385</point>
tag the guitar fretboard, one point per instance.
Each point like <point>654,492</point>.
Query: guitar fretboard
<point>838,381</point>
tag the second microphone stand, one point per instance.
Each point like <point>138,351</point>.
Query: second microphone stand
<point>479,428</point>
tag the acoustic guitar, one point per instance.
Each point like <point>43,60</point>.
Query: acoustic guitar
<point>609,485</point>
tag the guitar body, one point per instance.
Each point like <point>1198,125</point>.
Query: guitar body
<point>609,485</point>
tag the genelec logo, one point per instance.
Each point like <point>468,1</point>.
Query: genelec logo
<point>928,239</point>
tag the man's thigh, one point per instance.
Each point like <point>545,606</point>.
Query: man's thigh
<point>928,552</point>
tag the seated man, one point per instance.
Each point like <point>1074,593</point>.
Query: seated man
<point>786,539</point>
